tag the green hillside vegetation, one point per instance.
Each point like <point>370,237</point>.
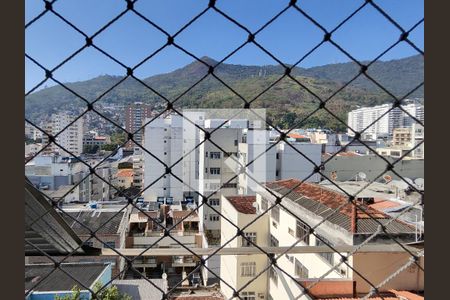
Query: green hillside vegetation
<point>286,102</point>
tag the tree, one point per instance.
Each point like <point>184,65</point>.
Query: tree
<point>125,165</point>
<point>76,295</point>
<point>109,293</point>
<point>90,149</point>
<point>118,138</point>
<point>109,147</point>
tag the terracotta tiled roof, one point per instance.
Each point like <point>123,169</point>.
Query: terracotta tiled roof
<point>396,295</point>
<point>371,298</point>
<point>243,204</point>
<point>407,295</point>
<point>383,204</point>
<point>323,201</point>
<point>125,173</point>
<point>328,197</point>
<point>297,136</point>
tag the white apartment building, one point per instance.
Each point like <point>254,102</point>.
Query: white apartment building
<point>256,151</point>
<point>31,132</point>
<point>138,168</point>
<point>308,206</point>
<point>164,139</point>
<point>215,176</point>
<point>361,118</point>
<point>71,138</point>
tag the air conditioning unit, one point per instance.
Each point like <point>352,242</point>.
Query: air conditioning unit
<point>261,295</point>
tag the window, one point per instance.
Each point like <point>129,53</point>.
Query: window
<point>214,171</point>
<point>264,204</point>
<point>214,218</point>
<point>274,242</point>
<point>248,269</point>
<point>110,245</point>
<point>303,232</point>
<point>248,296</point>
<point>214,155</point>
<point>290,258</point>
<point>291,231</point>
<point>300,270</point>
<point>214,202</point>
<point>275,213</point>
<point>235,142</point>
<point>273,275</point>
<point>89,243</point>
<point>206,154</point>
<point>229,185</point>
<point>328,256</point>
<point>251,236</point>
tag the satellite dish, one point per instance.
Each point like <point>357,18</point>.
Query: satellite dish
<point>409,180</point>
<point>362,175</point>
<point>255,205</point>
<point>387,178</point>
<point>164,276</point>
<point>420,182</point>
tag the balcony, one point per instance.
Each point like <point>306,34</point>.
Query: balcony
<point>145,262</point>
<point>183,261</point>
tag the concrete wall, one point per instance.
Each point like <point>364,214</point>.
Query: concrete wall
<point>372,166</point>
<point>376,267</point>
<point>291,164</point>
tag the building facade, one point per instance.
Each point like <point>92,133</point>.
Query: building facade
<point>135,115</point>
<point>70,139</point>
<point>361,118</point>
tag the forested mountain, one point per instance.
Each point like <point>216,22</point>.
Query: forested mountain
<point>286,101</point>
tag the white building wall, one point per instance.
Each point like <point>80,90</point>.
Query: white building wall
<point>227,139</point>
<point>164,138</point>
<point>361,118</point>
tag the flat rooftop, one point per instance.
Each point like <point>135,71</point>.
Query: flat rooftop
<point>108,221</point>
<point>141,289</point>
<point>85,273</point>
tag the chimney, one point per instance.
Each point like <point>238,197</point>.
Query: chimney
<point>353,216</point>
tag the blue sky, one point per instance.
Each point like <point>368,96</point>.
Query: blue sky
<point>130,39</point>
